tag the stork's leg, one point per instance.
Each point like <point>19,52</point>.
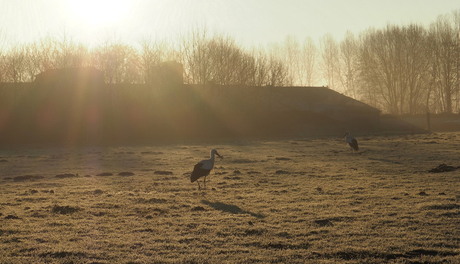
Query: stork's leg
<point>205,182</point>
<point>199,187</point>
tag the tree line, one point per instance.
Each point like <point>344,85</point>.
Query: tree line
<point>206,59</point>
<point>407,69</point>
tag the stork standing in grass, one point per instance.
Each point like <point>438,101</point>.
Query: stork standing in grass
<point>352,142</point>
<point>203,168</point>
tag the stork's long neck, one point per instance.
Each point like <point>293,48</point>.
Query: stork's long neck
<point>211,161</point>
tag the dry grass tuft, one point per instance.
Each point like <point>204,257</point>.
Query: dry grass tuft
<point>126,173</point>
<point>105,174</point>
<point>163,172</point>
<point>64,209</point>
<point>66,175</point>
<point>27,178</point>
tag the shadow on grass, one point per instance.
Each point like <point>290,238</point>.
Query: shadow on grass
<point>230,208</point>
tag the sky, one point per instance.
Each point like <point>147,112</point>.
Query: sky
<point>249,22</point>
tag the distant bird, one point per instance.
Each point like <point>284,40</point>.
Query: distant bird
<point>352,142</point>
<point>203,168</point>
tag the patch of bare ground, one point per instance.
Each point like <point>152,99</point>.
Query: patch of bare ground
<point>302,201</point>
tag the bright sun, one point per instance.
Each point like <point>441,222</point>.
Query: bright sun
<point>98,13</point>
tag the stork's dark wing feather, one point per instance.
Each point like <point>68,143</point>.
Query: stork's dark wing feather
<point>198,172</point>
<point>354,144</point>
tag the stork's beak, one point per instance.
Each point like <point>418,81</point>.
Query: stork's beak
<point>218,155</point>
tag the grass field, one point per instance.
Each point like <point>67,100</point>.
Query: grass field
<point>285,201</point>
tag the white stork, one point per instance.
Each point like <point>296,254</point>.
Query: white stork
<point>203,168</point>
<point>352,142</point>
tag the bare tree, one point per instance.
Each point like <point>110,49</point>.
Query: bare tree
<point>261,75</point>
<point>120,63</point>
<point>292,60</point>
<point>394,68</point>
<point>64,52</point>
<point>228,64</point>
<point>415,67</point>
<point>308,63</point>
<point>152,54</point>
<point>2,56</point>
<point>348,65</point>
<point>219,60</point>
<point>445,61</point>
<point>195,57</point>
<point>378,70</point>
<point>456,25</point>
<point>330,60</point>
<point>15,62</point>
<point>277,72</point>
